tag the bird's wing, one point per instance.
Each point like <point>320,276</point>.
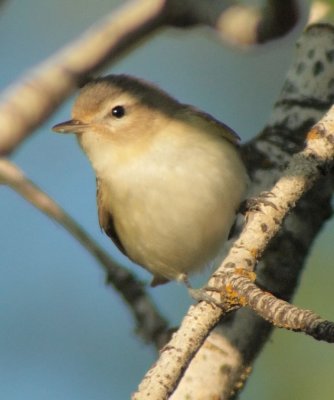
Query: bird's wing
<point>106,219</point>
<point>221,128</point>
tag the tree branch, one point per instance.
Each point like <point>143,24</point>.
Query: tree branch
<point>282,314</point>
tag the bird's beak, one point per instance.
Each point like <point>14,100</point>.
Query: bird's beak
<point>70,126</point>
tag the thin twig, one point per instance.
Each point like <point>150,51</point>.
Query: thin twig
<point>282,314</point>
<point>151,325</point>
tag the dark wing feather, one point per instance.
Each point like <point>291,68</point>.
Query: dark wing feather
<point>106,219</point>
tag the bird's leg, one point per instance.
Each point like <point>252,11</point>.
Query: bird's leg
<point>200,294</point>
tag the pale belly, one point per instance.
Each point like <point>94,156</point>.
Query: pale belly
<point>175,222</point>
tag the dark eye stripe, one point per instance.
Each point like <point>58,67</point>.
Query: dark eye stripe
<point>118,111</point>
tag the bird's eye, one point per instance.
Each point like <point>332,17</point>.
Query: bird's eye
<point>118,111</point>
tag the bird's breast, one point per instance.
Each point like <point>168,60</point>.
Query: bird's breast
<point>173,208</point>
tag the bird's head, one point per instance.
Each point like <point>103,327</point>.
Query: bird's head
<point>117,116</point>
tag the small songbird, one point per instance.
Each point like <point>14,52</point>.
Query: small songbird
<point>169,177</point>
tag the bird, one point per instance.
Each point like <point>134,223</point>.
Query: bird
<point>169,176</point>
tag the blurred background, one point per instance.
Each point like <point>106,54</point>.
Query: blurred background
<point>63,333</point>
